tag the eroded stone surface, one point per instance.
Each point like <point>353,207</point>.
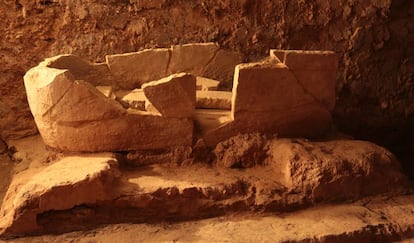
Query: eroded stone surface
<point>131,70</point>
<point>68,182</point>
<point>173,96</point>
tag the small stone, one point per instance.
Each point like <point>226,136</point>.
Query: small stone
<point>173,96</point>
<point>107,91</point>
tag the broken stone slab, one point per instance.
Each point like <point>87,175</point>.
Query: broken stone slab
<point>214,100</point>
<point>269,88</point>
<point>222,66</point>
<point>173,96</point>
<point>135,99</point>
<point>68,182</point>
<point>191,58</point>
<point>206,84</point>
<point>74,116</point>
<point>315,70</point>
<point>96,74</point>
<point>131,70</point>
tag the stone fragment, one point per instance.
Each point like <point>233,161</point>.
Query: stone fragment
<point>131,70</point>
<point>214,100</point>
<point>135,99</point>
<point>173,96</point>
<point>206,84</point>
<point>66,183</point>
<point>191,58</point>
<point>222,66</point>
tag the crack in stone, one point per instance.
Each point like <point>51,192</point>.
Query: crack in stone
<point>210,60</point>
<point>57,102</point>
<point>319,102</point>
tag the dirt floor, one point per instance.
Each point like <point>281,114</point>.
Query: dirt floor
<point>375,219</point>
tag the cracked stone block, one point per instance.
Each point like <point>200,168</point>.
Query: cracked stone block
<point>315,70</point>
<point>173,96</point>
<point>206,84</point>
<point>96,74</point>
<point>191,58</point>
<point>267,88</point>
<point>131,70</point>
<point>135,99</point>
<point>214,100</point>
<point>72,115</point>
<point>222,66</point>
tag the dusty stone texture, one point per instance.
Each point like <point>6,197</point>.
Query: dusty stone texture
<point>131,70</point>
<point>74,116</point>
<point>242,151</point>
<point>169,192</point>
<point>372,38</point>
<point>68,182</point>
<point>335,170</point>
<point>173,96</point>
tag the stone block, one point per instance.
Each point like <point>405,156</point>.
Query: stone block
<point>173,96</point>
<point>221,67</point>
<point>191,58</point>
<point>74,116</point>
<point>315,70</point>
<point>131,70</point>
<point>266,87</point>
<point>214,100</point>
<point>206,84</point>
